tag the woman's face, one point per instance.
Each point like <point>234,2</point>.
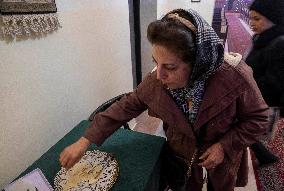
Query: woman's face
<point>259,23</point>
<point>171,70</point>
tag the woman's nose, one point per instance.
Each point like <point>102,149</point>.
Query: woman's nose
<point>161,73</point>
<point>250,23</point>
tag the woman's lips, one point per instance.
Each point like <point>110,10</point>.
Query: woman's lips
<point>253,29</point>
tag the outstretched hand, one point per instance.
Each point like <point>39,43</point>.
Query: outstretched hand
<point>73,153</point>
<point>212,157</point>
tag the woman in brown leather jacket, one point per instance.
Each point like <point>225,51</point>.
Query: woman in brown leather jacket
<point>211,110</point>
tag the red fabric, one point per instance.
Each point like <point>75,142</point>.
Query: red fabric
<point>272,177</point>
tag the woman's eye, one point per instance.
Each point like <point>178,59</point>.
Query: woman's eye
<point>170,67</point>
<point>256,18</point>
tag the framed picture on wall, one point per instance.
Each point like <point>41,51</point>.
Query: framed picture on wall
<point>195,0</point>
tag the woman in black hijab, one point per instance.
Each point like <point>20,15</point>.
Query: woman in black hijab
<point>267,61</point>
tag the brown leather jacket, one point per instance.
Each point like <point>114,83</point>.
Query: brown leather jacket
<point>233,113</point>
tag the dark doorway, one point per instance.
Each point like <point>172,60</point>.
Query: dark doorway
<point>135,39</point>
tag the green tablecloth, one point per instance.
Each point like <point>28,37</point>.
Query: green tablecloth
<point>137,154</point>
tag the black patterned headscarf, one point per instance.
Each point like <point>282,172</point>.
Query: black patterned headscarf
<point>209,56</point>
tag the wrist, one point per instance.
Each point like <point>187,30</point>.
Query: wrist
<point>220,146</point>
<point>84,142</point>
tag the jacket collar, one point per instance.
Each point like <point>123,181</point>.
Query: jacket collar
<point>177,119</point>
<point>220,92</point>
<point>216,98</point>
<point>263,39</point>
<point>164,105</point>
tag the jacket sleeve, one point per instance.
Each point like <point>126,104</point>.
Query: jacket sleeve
<point>107,122</point>
<point>272,82</point>
<point>252,119</point>
<point>278,62</point>
<point>280,77</point>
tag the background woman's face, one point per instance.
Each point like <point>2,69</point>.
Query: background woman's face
<point>171,70</point>
<point>259,23</point>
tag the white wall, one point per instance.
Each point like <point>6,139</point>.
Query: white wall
<point>148,13</point>
<point>204,7</point>
<point>49,85</point>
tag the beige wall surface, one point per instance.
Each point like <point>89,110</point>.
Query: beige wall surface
<point>204,7</point>
<point>48,85</point>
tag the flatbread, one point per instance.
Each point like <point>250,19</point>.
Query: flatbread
<point>81,172</point>
<point>97,170</point>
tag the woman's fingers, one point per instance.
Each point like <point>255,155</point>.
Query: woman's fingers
<point>205,155</point>
<point>212,157</point>
<point>64,158</point>
<point>73,153</point>
<point>208,162</point>
<point>70,163</point>
<point>67,162</point>
<point>70,155</point>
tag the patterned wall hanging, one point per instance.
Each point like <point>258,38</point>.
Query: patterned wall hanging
<point>22,18</point>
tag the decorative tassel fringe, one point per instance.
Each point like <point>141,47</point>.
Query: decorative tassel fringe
<point>25,25</point>
<point>205,179</point>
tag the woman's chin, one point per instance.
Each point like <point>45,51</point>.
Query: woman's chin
<point>255,31</point>
<point>173,86</point>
